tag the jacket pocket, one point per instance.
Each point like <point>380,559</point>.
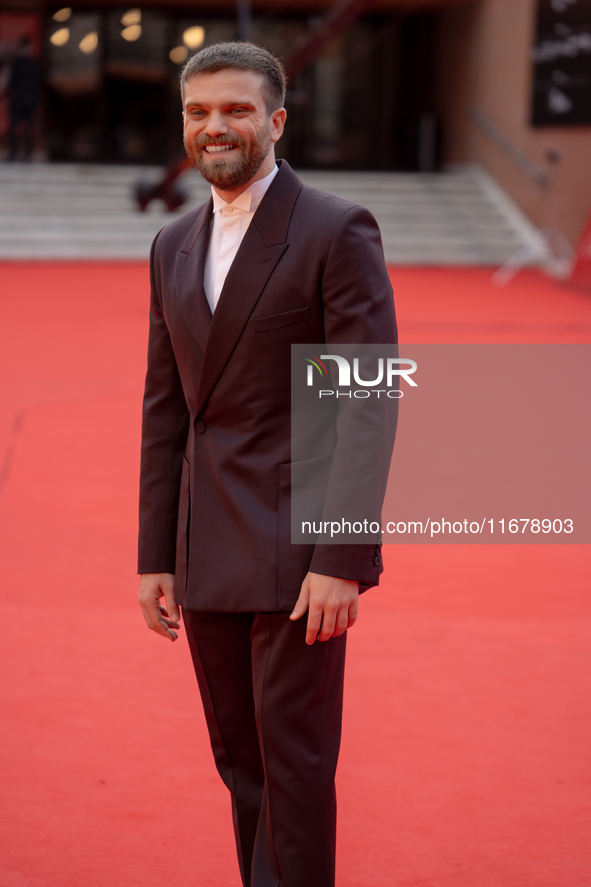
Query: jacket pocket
<point>279,321</point>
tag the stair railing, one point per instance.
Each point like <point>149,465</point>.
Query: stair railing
<point>539,176</point>
<point>548,247</point>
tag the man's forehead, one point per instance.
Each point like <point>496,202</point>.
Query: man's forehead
<point>230,84</point>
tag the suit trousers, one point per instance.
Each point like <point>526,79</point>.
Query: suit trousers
<point>273,706</point>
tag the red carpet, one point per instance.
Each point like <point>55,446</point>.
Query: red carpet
<point>465,758</point>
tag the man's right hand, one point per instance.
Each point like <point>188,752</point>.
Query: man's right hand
<point>162,620</point>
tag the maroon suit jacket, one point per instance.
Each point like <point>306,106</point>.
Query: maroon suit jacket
<point>216,445</point>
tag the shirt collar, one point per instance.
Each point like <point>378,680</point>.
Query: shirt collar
<point>249,199</point>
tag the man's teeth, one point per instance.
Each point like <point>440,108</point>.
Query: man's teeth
<point>217,149</point>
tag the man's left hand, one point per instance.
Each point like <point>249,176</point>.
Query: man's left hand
<point>332,606</point>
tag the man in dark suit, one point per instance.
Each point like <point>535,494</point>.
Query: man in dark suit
<point>264,264</point>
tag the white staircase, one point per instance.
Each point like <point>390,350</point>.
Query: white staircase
<point>69,211</point>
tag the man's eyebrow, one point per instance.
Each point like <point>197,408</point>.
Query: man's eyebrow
<point>195,103</point>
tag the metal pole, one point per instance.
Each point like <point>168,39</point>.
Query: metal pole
<point>244,19</point>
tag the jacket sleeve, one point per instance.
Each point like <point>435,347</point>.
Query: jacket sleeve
<point>358,309</point>
<point>165,424</point>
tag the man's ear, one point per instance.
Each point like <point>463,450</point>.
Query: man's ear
<point>278,119</point>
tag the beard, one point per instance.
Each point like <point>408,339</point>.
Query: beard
<point>233,169</point>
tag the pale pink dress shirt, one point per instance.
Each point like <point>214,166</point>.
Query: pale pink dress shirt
<point>229,225</point>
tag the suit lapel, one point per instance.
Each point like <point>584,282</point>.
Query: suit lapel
<point>263,245</point>
<point>190,265</point>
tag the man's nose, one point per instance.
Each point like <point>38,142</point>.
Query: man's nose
<point>216,125</point>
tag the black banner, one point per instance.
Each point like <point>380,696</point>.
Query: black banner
<point>562,64</point>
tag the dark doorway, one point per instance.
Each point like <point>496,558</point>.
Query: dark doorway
<point>365,102</point>
<point>368,100</point>
<point>418,129</point>
<point>137,121</point>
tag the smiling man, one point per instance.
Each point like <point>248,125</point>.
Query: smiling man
<point>231,144</point>
<point>264,264</point>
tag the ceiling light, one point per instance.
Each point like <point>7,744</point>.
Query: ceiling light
<point>194,37</point>
<point>89,43</point>
<point>61,37</point>
<point>131,17</point>
<point>62,15</point>
<point>133,32</point>
<point>178,54</point>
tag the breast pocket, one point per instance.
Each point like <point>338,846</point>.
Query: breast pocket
<point>273,323</point>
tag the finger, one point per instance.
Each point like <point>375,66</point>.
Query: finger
<point>169,621</point>
<point>341,622</point>
<point>353,613</point>
<point>172,608</point>
<point>301,603</point>
<point>171,624</point>
<point>329,619</point>
<point>167,632</point>
<point>162,628</point>
<point>313,626</point>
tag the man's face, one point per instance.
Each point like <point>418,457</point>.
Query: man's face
<point>227,131</point>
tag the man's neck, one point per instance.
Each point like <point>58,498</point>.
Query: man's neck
<point>262,172</point>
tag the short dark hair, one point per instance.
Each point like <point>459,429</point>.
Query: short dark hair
<point>242,57</point>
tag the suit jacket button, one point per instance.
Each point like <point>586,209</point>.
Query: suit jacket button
<point>377,560</point>
<point>200,427</point>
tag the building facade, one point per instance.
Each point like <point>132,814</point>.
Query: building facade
<point>403,85</point>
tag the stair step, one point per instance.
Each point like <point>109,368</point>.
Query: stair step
<point>457,217</point>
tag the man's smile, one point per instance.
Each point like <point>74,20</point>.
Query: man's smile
<point>218,149</point>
